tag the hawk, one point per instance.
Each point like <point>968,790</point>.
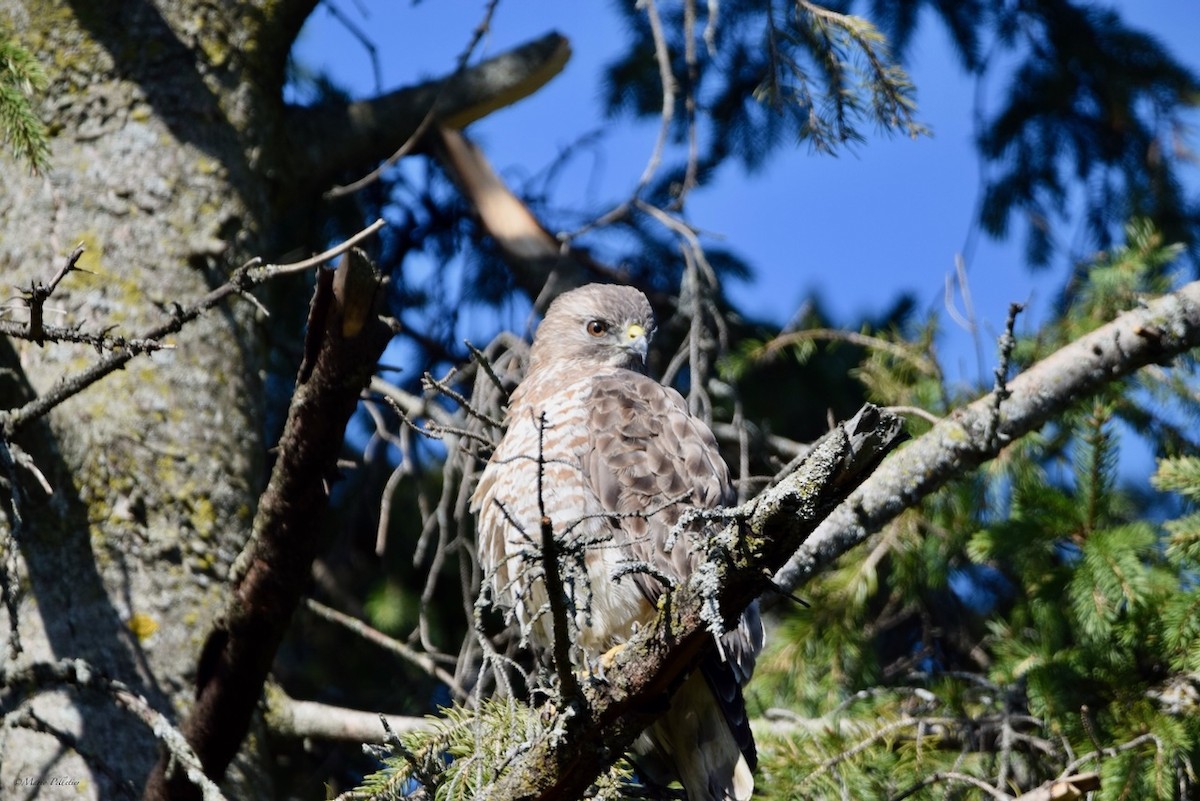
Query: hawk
<point>613,459</point>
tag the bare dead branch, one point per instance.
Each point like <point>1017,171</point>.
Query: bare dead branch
<point>327,141</point>
<point>289,717</point>
<point>1066,787</point>
<point>1000,391</point>
<point>542,266</point>
<point>275,566</point>
<point>782,446</point>
<point>442,386</point>
<point>666,80</point>
<point>100,340</point>
<point>242,280</point>
<point>898,351</point>
<point>916,411</point>
<point>258,274</point>
<point>363,39</point>
<point>950,776</point>
<point>571,692</point>
<point>689,103</point>
<point>414,139</point>
<point>38,293</point>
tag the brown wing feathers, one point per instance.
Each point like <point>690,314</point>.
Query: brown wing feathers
<point>650,458</point>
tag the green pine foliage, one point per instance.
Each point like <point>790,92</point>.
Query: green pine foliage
<point>1036,621</point>
<point>21,78</point>
<point>466,750</point>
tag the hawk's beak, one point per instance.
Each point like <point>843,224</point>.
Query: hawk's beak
<point>636,340</point>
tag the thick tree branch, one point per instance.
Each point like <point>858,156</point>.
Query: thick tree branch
<point>596,731</point>
<point>327,140</point>
<point>541,265</point>
<point>275,566</point>
<point>1155,333</point>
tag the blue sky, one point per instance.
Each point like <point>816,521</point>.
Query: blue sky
<point>891,215</point>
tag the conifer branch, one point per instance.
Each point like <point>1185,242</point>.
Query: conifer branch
<point>1154,333</point>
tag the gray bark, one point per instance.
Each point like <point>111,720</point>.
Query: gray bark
<point>155,470</point>
<point>171,163</point>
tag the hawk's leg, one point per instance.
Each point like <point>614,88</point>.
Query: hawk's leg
<point>596,668</point>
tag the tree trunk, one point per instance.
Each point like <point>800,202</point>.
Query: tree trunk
<point>173,161</point>
<point>160,166</point>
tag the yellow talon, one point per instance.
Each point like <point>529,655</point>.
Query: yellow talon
<point>610,656</point>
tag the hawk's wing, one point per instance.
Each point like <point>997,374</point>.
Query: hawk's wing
<point>650,461</point>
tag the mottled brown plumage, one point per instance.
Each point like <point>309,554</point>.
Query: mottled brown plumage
<point>621,460</point>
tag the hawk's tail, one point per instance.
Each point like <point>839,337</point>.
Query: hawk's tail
<point>727,691</point>
<point>695,743</point>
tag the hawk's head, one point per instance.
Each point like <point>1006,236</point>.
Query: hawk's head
<point>598,325</point>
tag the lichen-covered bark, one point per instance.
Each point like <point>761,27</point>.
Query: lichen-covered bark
<point>272,573</point>
<point>160,167</point>
<point>173,161</point>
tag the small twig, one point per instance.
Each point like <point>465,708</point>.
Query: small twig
<point>423,661</point>
<point>363,39</point>
<point>867,341</point>
<point>260,274</point>
<point>885,730</point>
<point>710,27</point>
<point>782,446</point>
<point>390,487</point>
<point>244,278</point>
<point>441,385</point>
<point>477,35</point>
<point>409,405</point>
<point>38,294</point>
<point>101,341</point>
<point>667,80</point>
<point>553,582</point>
<point>12,457</point>
<point>421,772</point>
<point>1000,391</point>
<point>486,365</point>
<point>29,719</point>
<point>407,147</point>
<point>743,441</point>
<point>949,775</point>
<point>791,596</point>
<point>915,411</point>
<point>689,103</point>
<point>967,319</point>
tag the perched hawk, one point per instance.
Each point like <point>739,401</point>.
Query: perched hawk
<point>619,460</point>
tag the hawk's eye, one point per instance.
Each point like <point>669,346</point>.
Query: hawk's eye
<point>597,328</point>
